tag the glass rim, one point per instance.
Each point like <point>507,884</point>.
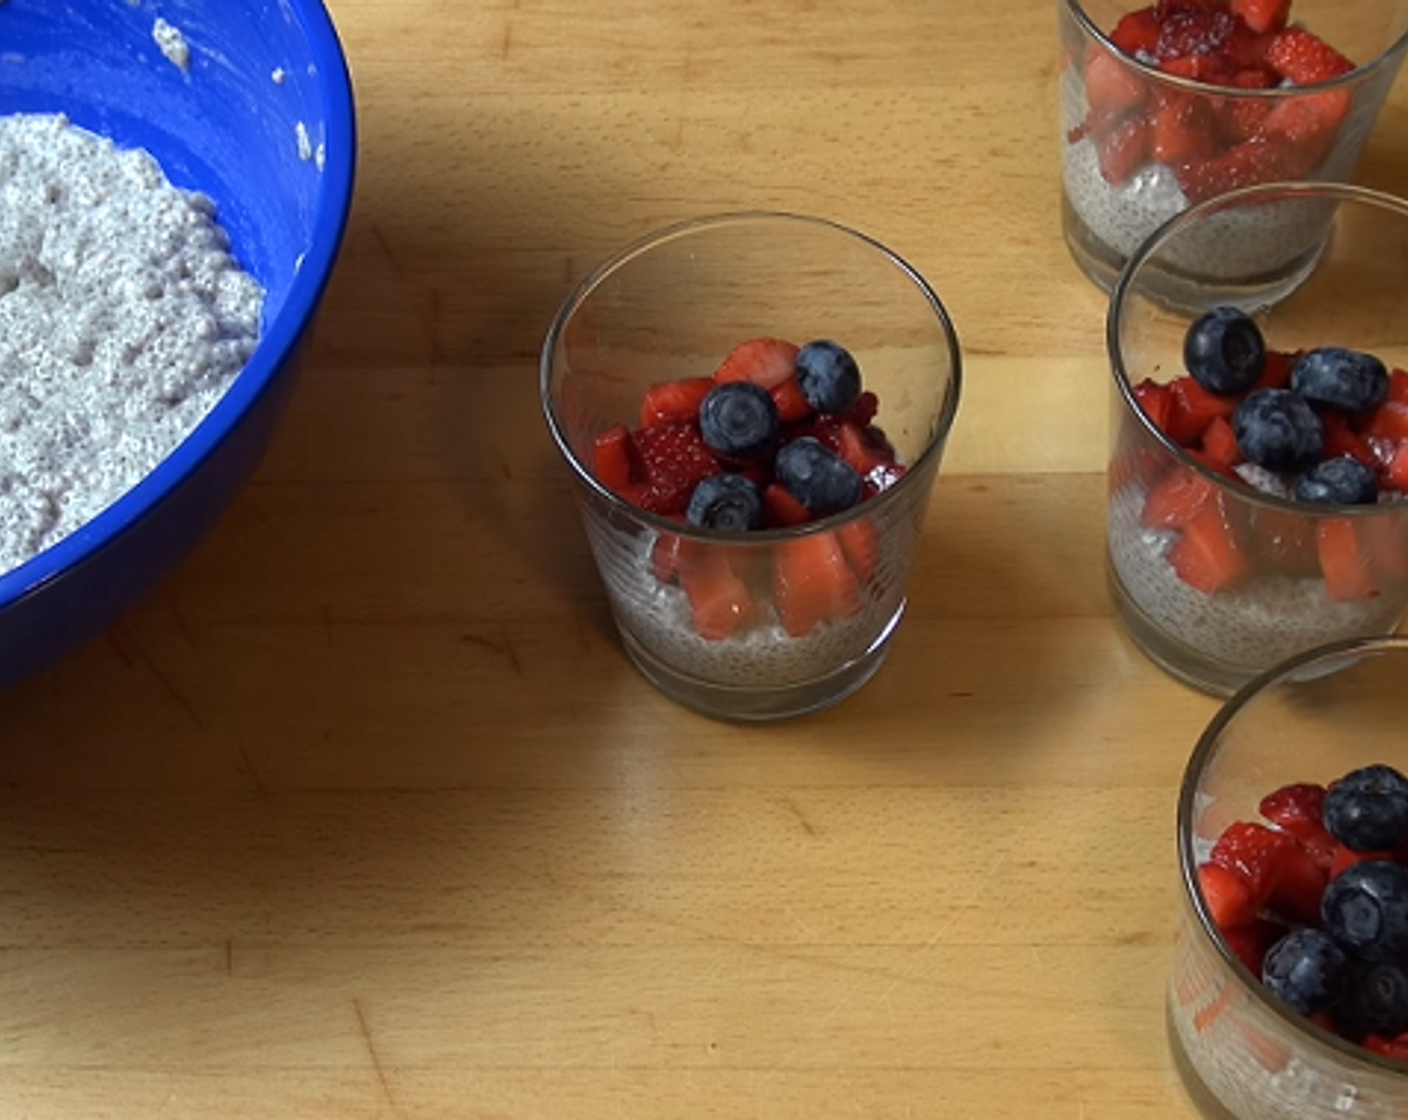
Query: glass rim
<point>1192,85</point>
<point>944,421</point>
<point>1122,292</point>
<point>1203,752</point>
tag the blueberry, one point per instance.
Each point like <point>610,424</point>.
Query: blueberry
<point>1367,809</point>
<point>1278,430</point>
<point>1374,999</point>
<point>1365,909</point>
<point>817,477</point>
<point>1341,481</point>
<point>726,501</point>
<point>1224,351</point>
<point>1340,380</point>
<point>1306,969</point>
<point>828,376</point>
<point>739,419</point>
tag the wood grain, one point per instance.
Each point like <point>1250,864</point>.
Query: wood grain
<point>364,815</point>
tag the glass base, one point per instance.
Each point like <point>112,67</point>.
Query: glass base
<point>1179,660</point>
<point>745,704</point>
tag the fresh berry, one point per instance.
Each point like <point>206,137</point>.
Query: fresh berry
<point>1224,351</point>
<point>718,594</point>
<point>817,477</point>
<point>1367,809</point>
<point>1263,16</point>
<point>1304,59</point>
<point>1278,430</point>
<point>611,458</point>
<point>828,376</point>
<point>1192,409</point>
<point>1332,377</point>
<point>673,461</point>
<point>1306,969</point>
<point>1297,808</point>
<point>1366,909</point>
<point>813,582</point>
<point>764,361</point>
<point>1209,555</point>
<point>1227,896</point>
<point>674,402</point>
<point>1177,499</point>
<point>1124,149</point>
<point>739,420</point>
<point>1338,482</point>
<point>1112,87</point>
<point>726,501</point>
<point>1344,564</point>
<point>1375,999</point>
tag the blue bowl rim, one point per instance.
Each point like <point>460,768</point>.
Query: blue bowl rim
<point>280,337</point>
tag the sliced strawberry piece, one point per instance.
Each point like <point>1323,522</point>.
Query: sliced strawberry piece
<point>1384,540</point>
<point>1343,563</point>
<point>718,596</point>
<point>1396,471</point>
<point>1250,942</point>
<point>1347,857</point>
<point>784,510</point>
<point>1243,165</point>
<point>1284,541</point>
<point>1299,883</point>
<point>673,459</point>
<point>1390,420</point>
<point>1342,439</point>
<point>764,361</point>
<point>1296,809</point>
<point>1192,409</point>
<point>1276,372</point>
<point>1241,118</point>
<point>1263,15</point>
<point>1124,149</point>
<point>1177,500</point>
<point>864,410</point>
<point>1254,851</point>
<point>1304,59</point>
<point>611,458</point>
<point>1156,400</point>
<point>1227,896</point>
<point>813,583</point>
<point>1202,31</point>
<point>1184,127</point>
<point>1219,442</point>
<point>860,541</point>
<point>1305,127</point>
<point>1207,555</point>
<point>1395,1049</point>
<point>1113,88</point>
<point>674,402</point>
<point>792,405</point>
<point>1137,33</point>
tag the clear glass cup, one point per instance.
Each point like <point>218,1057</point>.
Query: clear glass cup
<point>1351,290</point>
<point>672,306</point>
<point>1155,142</point>
<point>1240,1051</point>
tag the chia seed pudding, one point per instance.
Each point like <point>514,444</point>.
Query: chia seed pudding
<point>123,320</point>
<point>1246,628</point>
<point>657,616</point>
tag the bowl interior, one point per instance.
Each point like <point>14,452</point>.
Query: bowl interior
<point>258,116</point>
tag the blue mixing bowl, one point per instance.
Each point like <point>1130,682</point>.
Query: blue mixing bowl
<point>260,117</point>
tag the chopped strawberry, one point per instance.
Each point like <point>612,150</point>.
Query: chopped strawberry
<point>1342,439</point>
<point>673,459</point>
<point>1184,127</point>
<point>1243,165</point>
<point>1305,127</point>
<point>792,405</point>
<point>1263,15</point>
<point>611,458</point>
<point>1296,808</point>
<point>1384,541</point>
<point>1395,1048</point>
<point>1193,409</point>
<point>674,402</point>
<point>1137,33</point>
<point>1299,883</point>
<point>1219,442</point>
<point>1156,401</point>
<point>1112,87</point>
<point>718,596</point>
<point>1343,563</point>
<point>1124,149</point>
<point>813,583</point>
<point>1396,471</point>
<point>1255,852</point>
<point>1203,31</point>
<point>1241,118</point>
<point>783,509</point>
<point>1208,554</point>
<point>764,361</point>
<point>1348,857</point>
<point>864,410</point>
<point>1227,896</point>
<point>1390,420</point>
<point>860,541</point>
<point>1284,541</point>
<point>1304,59</point>
<point>1250,942</point>
<point>1177,500</point>
<point>1276,372</point>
